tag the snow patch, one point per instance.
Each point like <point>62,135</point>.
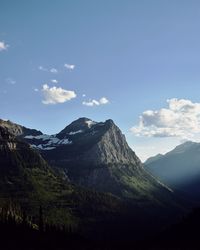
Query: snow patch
<point>39,137</point>
<point>41,147</point>
<point>48,148</point>
<point>49,143</point>
<point>75,132</point>
<point>65,141</point>
<point>90,123</point>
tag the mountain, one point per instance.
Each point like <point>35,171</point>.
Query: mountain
<point>96,155</point>
<point>27,179</point>
<point>64,173</point>
<point>153,158</point>
<point>18,130</point>
<point>179,168</point>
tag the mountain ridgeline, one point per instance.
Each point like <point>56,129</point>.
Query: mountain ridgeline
<point>179,168</point>
<point>96,155</point>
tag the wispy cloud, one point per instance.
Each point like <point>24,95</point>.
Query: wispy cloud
<point>54,81</point>
<point>93,102</point>
<point>53,70</point>
<point>180,119</point>
<point>3,46</point>
<point>69,66</point>
<point>103,100</point>
<point>36,90</point>
<point>56,95</point>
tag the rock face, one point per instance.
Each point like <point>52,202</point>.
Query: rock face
<point>98,143</point>
<point>16,154</point>
<point>99,157</point>
<point>17,164</point>
<point>18,130</point>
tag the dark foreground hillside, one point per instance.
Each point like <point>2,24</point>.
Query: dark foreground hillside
<point>18,231</point>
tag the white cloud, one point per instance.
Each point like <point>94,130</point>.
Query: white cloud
<point>180,119</point>
<point>3,46</point>
<point>56,95</point>
<point>103,100</point>
<point>54,81</point>
<point>36,90</point>
<point>83,95</point>
<point>90,103</point>
<point>53,70</point>
<point>93,102</point>
<point>69,66</point>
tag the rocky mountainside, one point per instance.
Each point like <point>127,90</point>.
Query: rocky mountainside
<point>26,179</point>
<point>18,130</point>
<point>96,155</point>
<point>179,168</point>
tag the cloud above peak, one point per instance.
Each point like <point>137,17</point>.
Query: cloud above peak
<point>3,46</point>
<point>180,119</point>
<point>56,95</point>
<point>93,102</point>
<point>69,66</point>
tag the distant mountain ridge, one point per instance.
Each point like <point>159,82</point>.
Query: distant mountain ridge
<point>179,168</point>
<point>153,158</point>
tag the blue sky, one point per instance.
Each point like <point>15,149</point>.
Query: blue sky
<point>135,55</point>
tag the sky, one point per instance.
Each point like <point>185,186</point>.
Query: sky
<point>134,61</point>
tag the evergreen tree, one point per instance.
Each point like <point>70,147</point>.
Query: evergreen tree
<point>41,220</point>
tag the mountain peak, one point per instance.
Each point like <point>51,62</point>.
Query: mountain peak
<point>110,122</point>
<point>82,120</point>
<point>182,147</point>
<point>153,158</point>
<point>80,124</point>
<point>96,144</point>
